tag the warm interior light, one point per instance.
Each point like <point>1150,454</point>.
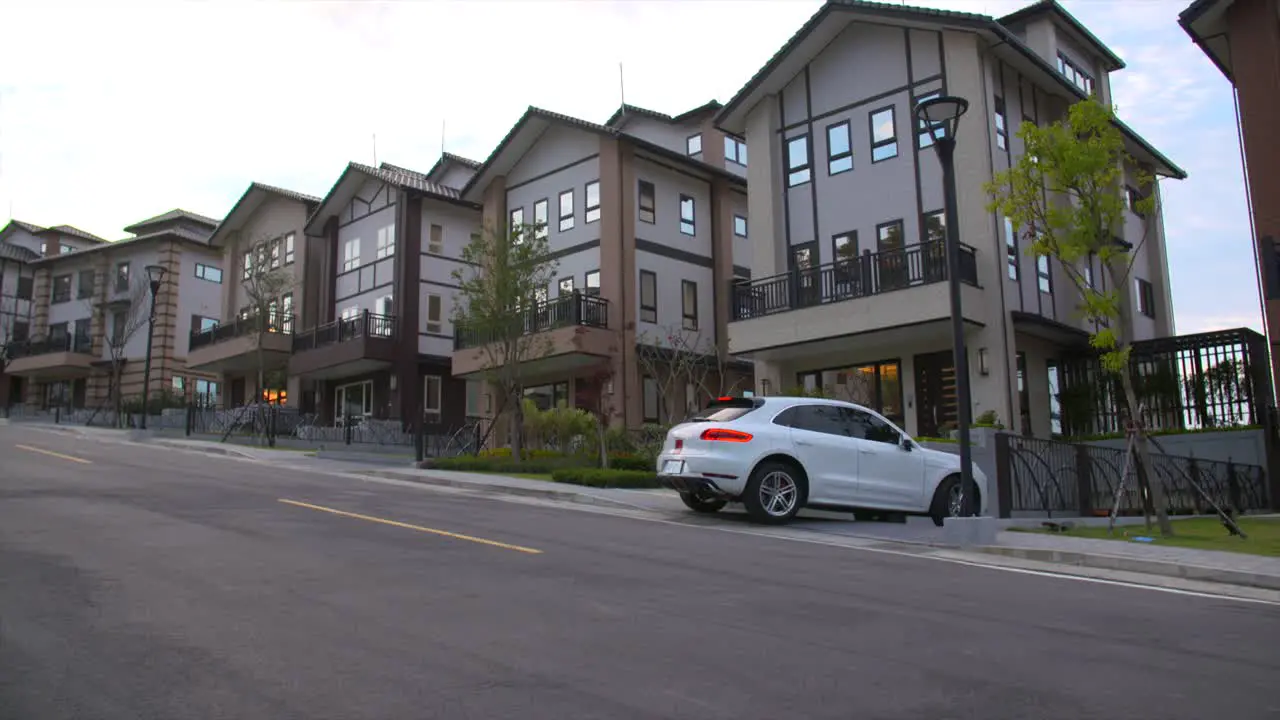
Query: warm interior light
<point>725,435</point>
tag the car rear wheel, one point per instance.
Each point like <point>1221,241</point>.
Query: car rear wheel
<point>700,504</point>
<point>775,493</point>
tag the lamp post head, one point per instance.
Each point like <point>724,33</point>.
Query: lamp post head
<point>943,112</point>
<point>155,274</point>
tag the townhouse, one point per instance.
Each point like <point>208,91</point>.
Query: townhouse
<point>848,289</point>
<point>1242,38</point>
<point>263,231</point>
<point>645,217</point>
<point>88,295</point>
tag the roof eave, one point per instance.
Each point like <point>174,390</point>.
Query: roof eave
<point>1188,19</point>
<point>1114,62</point>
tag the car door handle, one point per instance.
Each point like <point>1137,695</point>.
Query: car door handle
<point>803,442</point>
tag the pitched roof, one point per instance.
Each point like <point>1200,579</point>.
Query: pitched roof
<point>285,192</point>
<point>1204,22</point>
<point>175,214</point>
<point>953,18</point>
<point>1052,6</point>
<point>387,173</point>
<point>179,233</point>
<point>73,231</point>
<point>29,227</point>
<point>254,195</point>
<point>536,113</point>
<point>622,111</point>
<point>10,251</point>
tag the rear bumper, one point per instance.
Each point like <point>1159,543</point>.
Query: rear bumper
<point>690,484</point>
<point>708,475</point>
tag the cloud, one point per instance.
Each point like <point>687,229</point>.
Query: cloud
<point>143,106</point>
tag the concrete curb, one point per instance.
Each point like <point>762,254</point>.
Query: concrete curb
<point>209,449</point>
<point>558,495</point>
<point>1137,565</point>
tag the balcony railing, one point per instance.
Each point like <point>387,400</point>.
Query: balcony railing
<point>564,311</point>
<point>44,346</point>
<point>869,274</point>
<point>365,325</point>
<point>275,323</point>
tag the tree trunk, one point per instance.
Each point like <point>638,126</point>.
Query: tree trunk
<point>1148,483</point>
<point>517,426</point>
<point>266,409</point>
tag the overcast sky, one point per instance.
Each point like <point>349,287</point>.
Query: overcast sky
<point>111,112</point>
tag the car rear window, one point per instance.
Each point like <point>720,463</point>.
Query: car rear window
<point>725,411</point>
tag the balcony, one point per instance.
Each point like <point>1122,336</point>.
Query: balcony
<point>234,346</point>
<point>348,346</point>
<point>574,332</point>
<point>875,291</point>
<point>59,357</point>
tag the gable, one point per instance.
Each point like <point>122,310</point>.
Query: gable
<point>557,147</point>
<point>373,195</point>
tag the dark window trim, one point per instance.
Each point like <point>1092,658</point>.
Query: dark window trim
<point>1013,255</point>
<point>736,156</point>
<point>853,237</point>
<point>586,283</point>
<point>657,391</point>
<point>546,224</point>
<point>560,292</point>
<point>53,290</point>
<point>701,146</point>
<point>1146,298</point>
<point>807,167</point>
<point>832,158</point>
<point>745,228</point>
<point>1002,133</point>
<point>653,309</point>
<point>902,232</point>
<point>511,217</point>
<point>1046,274</point>
<point>128,276</point>
<point>880,395</point>
<point>688,320</point>
<point>693,220</point>
<point>82,291</point>
<point>206,267</point>
<point>653,201</point>
<point>924,131</point>
<point>871,133</point>
<point>1065,63</point>
<point>924,224</point>
<point>586,200</point>
<point>560,210</point>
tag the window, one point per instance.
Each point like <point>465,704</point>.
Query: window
<point>865,426</point>
<point>1024,395</point>
<point>431,392</point>
<point>1043,277</point>
<point>540,210</point>
<point>435,242</point>
<point>648,296</point>
<point>889,236</point>
<point>539,297</point>
<point>84,285</point>
<point>1146,297</point>
<point>693,144</point>
<point>1002,129</point>
<point>687,226</point>
<point>198,323</point>
<point>884,135</point>
<point>288,252</point>
<point>691,398</point>
<point>208,272</point>
<point>247,266</point>
<point>386,242</point>
<point>354,400</point>
<point>565,286</point>
<point>1055,399</point>
<point>435,313</point>
<point>689,304</point>
<point>21,330</point>
<point>473,397</point>
<point>845,246</point>
<point>179,384</point>
<point>82,329</point>
<point>739,226</point>
<point>839,148</point>
<point>61,289</point>
<point>58,331</point>
<point>566,210</point>
<point>122,277</point>
<point>275,252</point>
<point>926,132</point>
<point>651,399</point>
<point>934,227</point>
<point>1011,248</point>
<point>350,313</point>
<point>26,287</point>
<point>735,150</point>
<point>798,165</point>
<point>1088,271</point>
<point>351,254</point>
<point>592,192</point>
<point>593,283</point>
<point>118,327</point>
<point>1074,74</point>
<point>517,223</point>
<point>286,312</point>
<point>648,211</point>
<point>1132,197</point>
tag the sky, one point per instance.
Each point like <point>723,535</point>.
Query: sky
<point>114,112</point>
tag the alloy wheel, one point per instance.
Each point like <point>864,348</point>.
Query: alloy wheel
<point>778,493</point>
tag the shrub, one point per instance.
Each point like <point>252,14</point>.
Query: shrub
<point>630,461</point>
<point>595,477</point>
<point>467,463</point>
<point>988,419</point>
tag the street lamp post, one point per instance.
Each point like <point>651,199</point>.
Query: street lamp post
<point>155,275</point>
<point>944,113</point>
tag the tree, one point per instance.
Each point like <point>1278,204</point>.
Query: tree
<point>501,303</point>
<point>265,283</point>
<point>120,319</point>
<point>1066,193</point>
<point>679,358</point>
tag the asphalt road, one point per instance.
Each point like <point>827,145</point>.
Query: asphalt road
<point>141,582</point>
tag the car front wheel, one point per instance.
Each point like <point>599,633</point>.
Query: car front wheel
<point>774,493</point>
<point>701,504</point>
<point>947,500</point>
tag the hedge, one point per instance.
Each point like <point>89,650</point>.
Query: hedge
<point>595,477</point>
<point>467,463</point>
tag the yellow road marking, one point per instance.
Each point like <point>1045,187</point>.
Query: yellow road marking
<point>419,528</point>
<point>42,451</point>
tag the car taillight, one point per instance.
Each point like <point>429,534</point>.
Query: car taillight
<point>679,444</point>
<point>725,435</point>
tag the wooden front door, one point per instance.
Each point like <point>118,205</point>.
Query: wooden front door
<point>935,393</point>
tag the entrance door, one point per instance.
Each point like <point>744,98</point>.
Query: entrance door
<point>237,392</point>
<point>935,393</point>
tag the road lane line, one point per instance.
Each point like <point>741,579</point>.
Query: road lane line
<point>42,451</point>
<point>419,528</point>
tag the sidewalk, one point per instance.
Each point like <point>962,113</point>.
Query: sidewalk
<point>650,500</point>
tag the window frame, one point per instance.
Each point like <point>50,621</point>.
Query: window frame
<point>386,243</point>
<point>126,276</point>
<point>647,384</point>
<point>927,131</point>
<point>692,220</point>
<point>1044,274</point>
<point>1012,255</point>
<point>924,226</point>
<point>833,158</point>
<point>560,286</point>
<point>560,209</point>
<point>588,208</point>
<point>439,321</point>
<point>738,155</point>
<point>85,290</point>
<point>202,272</point>
<point>515,219</point>
<point>289,251</point>
<point>688,319</point>
<point>542,227</point>
<point>1001,121</point>
<point>587,288</point>
<point>892,140</point>
<point>743,218</point>
<point>1145,294</point>
<point>794,170</point>
<point>427,382</point>
<point>435,240</point>
<point>852,237</point>
<point>648,313</point>
<point>1076,74</point>
<point>899,223</point>
<point>689,142</point>
<point>351,254</point>
<point>641,186</point>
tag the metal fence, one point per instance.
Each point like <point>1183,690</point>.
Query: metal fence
<point>1075,479</point>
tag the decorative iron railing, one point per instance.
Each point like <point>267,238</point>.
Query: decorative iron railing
<point>273,323</point>
<point>365,325</point>
<point>565,311</point>
<point>76,343</point>
<point>846,279</point>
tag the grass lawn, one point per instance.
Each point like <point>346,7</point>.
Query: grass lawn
<point>1197,533</point>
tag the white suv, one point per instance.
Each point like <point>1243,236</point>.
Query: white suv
<point>776,455</point>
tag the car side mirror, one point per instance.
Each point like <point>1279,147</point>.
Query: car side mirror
<point>906,443</point>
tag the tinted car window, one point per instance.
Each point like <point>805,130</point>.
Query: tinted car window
<point>722,414</point>
<point>787,418</point>
<point>869,427</point>
<point>825,419</point>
